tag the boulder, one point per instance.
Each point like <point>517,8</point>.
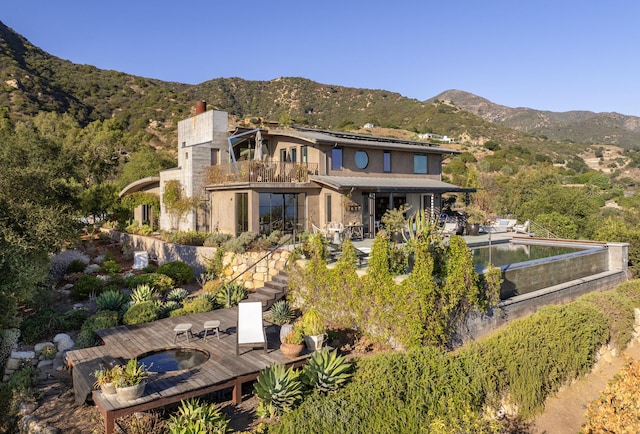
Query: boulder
<point>60,336</point>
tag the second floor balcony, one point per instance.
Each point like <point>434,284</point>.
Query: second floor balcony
<point>260,171</point>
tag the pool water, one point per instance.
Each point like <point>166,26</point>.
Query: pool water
<point>507,253</point>
<point>174,359</point>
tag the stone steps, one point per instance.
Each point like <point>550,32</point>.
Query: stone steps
<point>272,291</point>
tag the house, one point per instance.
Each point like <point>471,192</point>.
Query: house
<point>291,179</point>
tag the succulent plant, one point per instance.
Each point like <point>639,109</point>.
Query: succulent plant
<point>177,294</point>
<point>281,312</point>
<point>230,294</point>
<point>278,389</point>
<point>142,293</point>
<point>196,417</point>
<point>326,371</point>
<point>110,300</point>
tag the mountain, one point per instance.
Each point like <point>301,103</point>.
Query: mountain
<point>149,109</point>
<point>573,126</point>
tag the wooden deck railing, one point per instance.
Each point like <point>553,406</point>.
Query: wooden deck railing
<point>259,171</point>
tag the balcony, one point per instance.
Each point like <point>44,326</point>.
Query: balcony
<point>260,171</point>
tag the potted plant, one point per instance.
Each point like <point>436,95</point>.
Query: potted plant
<point>475,216</point>
<point>293,343</point>
<point>394,222</point>
<point>131,381</point>
<point>313,328</point>
<point>281,314</point>
<point>106,379</point>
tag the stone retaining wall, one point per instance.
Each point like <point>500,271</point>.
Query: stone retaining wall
<point>261,269</point>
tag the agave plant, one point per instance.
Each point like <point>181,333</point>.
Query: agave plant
<point>142,293</point>
<point>278,389</point>
<point>195,417</point>
<point>230,294</point>
<point>110,300</point>
<point>167,307</point>
<point>177,294</point>
<point>281,312</point>
<point>326,371</point>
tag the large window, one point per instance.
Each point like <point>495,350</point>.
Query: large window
<point>242,212</point>
<point>419,163</point>
<point>336,159</point>
<point>278,211</point>
<point>386,162</point>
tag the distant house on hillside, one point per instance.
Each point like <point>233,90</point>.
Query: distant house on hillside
<point>262,180</point>
<point>368,125</point>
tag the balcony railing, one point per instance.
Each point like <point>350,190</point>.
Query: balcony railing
<point>260,171</point>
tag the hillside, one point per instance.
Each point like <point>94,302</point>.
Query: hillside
<point>572,126</point>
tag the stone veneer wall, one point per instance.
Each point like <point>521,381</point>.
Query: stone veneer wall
<point>196,256</point>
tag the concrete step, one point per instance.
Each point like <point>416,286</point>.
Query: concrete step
<point>264,299</point>
<point>271,292</point>
<point>280,286</point>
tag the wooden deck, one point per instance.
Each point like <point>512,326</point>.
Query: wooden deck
<point>223,370</point>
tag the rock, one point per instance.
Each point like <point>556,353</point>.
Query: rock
<point>41,346</point>
<point>44,363</point>
<point>59,363</point>
<point>23,355</point>
<point>67,287</point>
<point>13,365</point>
<point>65,345</point>
<point>27,408</point>
<point>60,336</point>
<point>31,425</point>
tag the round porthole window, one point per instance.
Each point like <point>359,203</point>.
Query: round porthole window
<point>361,159</point>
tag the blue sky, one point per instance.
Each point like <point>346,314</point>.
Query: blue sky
<point>555,55</point>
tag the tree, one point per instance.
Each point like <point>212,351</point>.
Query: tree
<point>143,163</point>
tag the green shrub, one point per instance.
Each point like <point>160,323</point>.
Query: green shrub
<point>230,294</point>
<point>139,313</point>
<point>217,239</point>
<point>110,266</point>
<point>110,300</point>
<point>76,266</point>
<point>196,305</point>
<point>160,282</point>
<point>187,238</point>
<point>165,309</point>
<point>180,272</point>
<point>278,389</point>
<point>47,323</point>
<point>326,371</point>
<point>177,312</point>
<point>195,417</point>
<point>101,320</point>
<point>85,286</point>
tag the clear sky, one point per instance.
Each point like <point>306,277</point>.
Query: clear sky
<point>556,55</point>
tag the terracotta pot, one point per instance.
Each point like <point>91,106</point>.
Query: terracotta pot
<point>291,350</point>
<point>130,393</point>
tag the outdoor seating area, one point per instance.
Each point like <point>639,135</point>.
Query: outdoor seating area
<point>499,225</point>
<point>224,369</point>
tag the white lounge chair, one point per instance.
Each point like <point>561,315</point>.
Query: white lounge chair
<point>450,228</point>
<point>250,330</point>
<point>523,228</point>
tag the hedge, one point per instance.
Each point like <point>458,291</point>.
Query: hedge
<point>430,390</point>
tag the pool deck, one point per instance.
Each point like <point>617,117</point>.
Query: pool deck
<point>223,370</point>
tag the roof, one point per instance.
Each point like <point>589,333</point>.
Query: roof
<point>388,184</point>
<point>140,184</point>
<point>360,140</point>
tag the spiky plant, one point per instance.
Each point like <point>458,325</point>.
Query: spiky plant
<point>281,312</point>
<point>165,308</point>
<point>278,389</point>
<point>142,293</point>
<point>326,371</point>
<point>230,294</point>
<point>177,294</point>
<point>110,300</point>
<point>195,417</point>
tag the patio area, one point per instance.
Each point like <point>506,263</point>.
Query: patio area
<point>223,370</point>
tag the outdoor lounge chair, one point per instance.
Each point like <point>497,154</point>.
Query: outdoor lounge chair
<point>500,225</point>
<point>450,228</point>
<point>250,330</point>
<point>523,228</point>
